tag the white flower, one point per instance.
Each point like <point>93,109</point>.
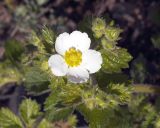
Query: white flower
<point>74,57</point>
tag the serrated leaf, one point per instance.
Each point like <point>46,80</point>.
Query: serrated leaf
<point>8,73</point>
<point>29,111</point>
<point>36,79</point>
<point>70,94</point>
<point>48,35</point>
<point>13,50</point>
<point>54,110</point>
<point>56,82</point>
<point>44,124</point>
<point>9,120</point>
<point>123,93</point>
<point>97,118</point>
<point>36,41</point>
<point>59,113</point>
<point>115,60</point>
<point>52,100</point>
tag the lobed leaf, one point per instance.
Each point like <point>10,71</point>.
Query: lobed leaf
<point>9,120</point>
<point>115,60</point>
<point>29,111</point>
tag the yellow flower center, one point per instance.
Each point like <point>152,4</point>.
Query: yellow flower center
<point>73,57</point>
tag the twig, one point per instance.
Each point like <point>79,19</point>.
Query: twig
<point>39,94</point>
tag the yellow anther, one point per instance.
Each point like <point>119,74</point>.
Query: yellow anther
<point>73,57</point>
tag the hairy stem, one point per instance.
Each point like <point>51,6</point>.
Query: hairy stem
<point>146,88</point>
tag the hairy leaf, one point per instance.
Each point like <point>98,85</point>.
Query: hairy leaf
<point>48,35</point>
<point>9,120</point>
<point>54,110</point>
<point>97,118</point>
<point>29,111</point>
<point>9,74</point>
<point>13,50</point>
<point>115,60</point>
<point>44,124</point>
<point>123,93</point>
<point>58,113</point>
<point>36,79</point>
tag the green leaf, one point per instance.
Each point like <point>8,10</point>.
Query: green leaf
<point>123,93</point>
<point>9,120</point>
<point>56,82</point>
<point>36,41</point>
<point>36,79</point>
<point>29,111</point>
<point>54,110</point>
<point>9,74</point>
<point>70,94</point>
<point>13,50</point>
<point>52,100</point>
<point>59,113</point>
<point>97,118</point>
<point>48,35</point>
<point>44,124</point>
<point>115,60</point>
<point>105,79</point>
<point>112,33</point>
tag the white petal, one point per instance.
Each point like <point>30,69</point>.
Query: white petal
<point>80,40</point>
<point>76,39</point>
<point>78,75</point>
<point>62,43</point>
<point>58,65</point>
<point>92,60</point>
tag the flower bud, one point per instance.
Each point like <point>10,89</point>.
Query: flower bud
<point>98,27</point>
<point>107,44</point>
<point>112,34</point>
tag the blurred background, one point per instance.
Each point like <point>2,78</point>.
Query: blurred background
<point>139,19</point>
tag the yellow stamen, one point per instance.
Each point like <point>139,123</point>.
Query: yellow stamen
<point>73,57</point>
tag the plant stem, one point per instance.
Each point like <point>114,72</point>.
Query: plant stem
<point>145,88</point>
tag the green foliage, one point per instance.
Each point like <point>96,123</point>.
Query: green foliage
<point>9,120</point>
<point>139,69</point>
<point>44,40</point>
<point>115,60</point>
<point>29,111</point>
<point>36,41</point>
<point>44,124</point>
<point>106,103</point>
<point>48,35</point>
<point>13,50</point>
<point>36,79</point>
<point>123,92</point>
<point>98,27</point>
<point>105,79</point>
<point>59,104</point>
<point>9,73</point>
<point>56,82</point>
<point>97,118</point>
